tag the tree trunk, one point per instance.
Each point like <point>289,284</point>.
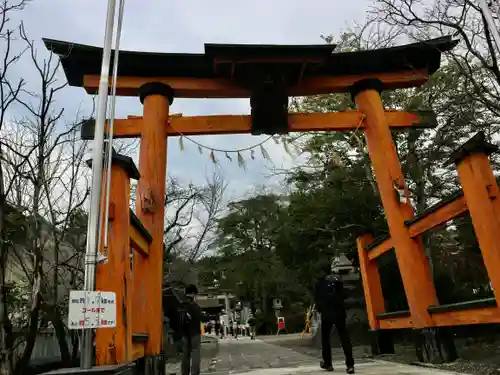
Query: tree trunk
<point>6,338</point>
<point>264,300</point>
<point>54,313</point>
<point>369,176</point>
<point>417,175</point>
<point>55,318</point>
<point>74,345</point>
<point>6,354</point>
<point>37,249</point>
<point>34,315</point>
<point>30,337</point>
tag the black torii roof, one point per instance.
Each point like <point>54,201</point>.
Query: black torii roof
<point>218,60</point>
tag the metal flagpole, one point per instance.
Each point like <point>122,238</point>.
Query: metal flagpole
<point>104,214</point>
<point>95,195</point>
<point>491,22</point>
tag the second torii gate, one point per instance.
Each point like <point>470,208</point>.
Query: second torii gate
<point>268,75</point>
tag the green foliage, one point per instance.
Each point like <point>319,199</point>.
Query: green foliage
<point>247,243</point>
<point>327,211</point>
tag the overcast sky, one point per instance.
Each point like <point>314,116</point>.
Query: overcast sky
<point>184,26</point>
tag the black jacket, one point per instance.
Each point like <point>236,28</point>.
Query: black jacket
<point>194,326</point>
<point>329,296</point>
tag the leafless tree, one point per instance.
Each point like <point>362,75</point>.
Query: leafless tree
<point>9,91</point>
<point>476,56</point>
<point>190,224</point>
<point>46,185</point>
<point>180,204</point>
<point>211,206</point>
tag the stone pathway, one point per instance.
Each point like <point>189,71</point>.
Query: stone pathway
<point>209,350</point>
<point>368,368</point>
<point>257,357</point>
<point>243,355</point>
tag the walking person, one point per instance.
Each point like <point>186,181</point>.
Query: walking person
<point>251,325</point>
<point>235,329</point>
<point>217,327</point>
<point>191,333</point>
<point>222,330</point>
<point>329,298</point>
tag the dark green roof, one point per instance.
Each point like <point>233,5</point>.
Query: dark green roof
<point>218,60</point>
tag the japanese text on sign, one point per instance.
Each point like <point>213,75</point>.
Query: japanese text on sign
<point>91,309</point>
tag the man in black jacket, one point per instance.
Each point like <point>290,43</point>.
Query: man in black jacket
<point>191,332</point>
<point>329,298</point>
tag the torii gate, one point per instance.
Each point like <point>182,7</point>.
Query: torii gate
<point>268,75</point>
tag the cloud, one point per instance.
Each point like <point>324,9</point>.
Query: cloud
<point>184,26</point>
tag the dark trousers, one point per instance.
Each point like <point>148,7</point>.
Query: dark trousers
<point>327,323</point>
<point>252,332</point>
<point>191,356</point>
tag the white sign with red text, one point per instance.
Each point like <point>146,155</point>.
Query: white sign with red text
<point>91,309</point>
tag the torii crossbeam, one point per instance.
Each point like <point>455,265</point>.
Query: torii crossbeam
<point>132,126</point>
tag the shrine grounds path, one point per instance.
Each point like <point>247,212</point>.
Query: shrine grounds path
<point>268,356</point>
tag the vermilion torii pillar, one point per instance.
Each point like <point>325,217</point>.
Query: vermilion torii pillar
<point>114,345</point>
<point>482,195</point>
<point>413,264</point>
<point>150,209</point>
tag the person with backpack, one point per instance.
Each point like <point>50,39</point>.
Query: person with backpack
<point>190,314</point>
<point>329,298</point>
